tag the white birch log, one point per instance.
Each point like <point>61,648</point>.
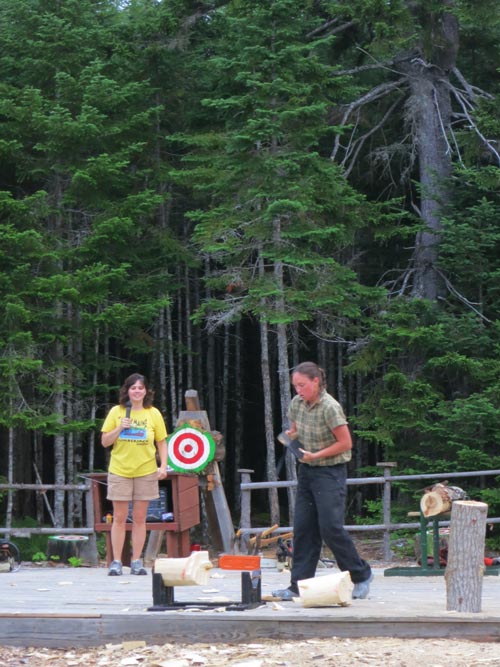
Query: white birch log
<point>439,498</point>
<point>325,591</point>
<point>191,571</point>
<point>465,565</point>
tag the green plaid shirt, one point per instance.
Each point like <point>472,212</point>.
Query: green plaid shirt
<point>315,424</point>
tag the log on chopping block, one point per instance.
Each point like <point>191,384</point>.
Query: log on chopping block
<point>465,565</point>
<point>191,571</point>
<point>438,499</point>
<point>332,589</point>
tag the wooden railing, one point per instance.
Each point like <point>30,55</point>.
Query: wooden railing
<point>27,531</point>
<point>247,486</point>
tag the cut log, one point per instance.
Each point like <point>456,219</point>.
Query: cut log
<point>326,591</point>
<point>438,499</point>
<point>465,566</point>
<point>191,571</point>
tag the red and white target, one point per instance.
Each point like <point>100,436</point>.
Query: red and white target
<point>189,449</point>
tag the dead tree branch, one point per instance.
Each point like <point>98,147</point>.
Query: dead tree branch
<point>374,94</point>
<point>463,102</point>
<point>358,144</point>
<point>324,29</point>
<point>462,298</point>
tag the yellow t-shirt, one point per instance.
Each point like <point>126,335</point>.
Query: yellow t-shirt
<point>134,451</point>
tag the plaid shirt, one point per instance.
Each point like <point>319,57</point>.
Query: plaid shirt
<point>315,424</point>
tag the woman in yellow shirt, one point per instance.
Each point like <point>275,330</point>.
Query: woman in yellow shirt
<point>136,430</point>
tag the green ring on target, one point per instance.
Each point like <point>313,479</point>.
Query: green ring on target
<point>190,449</point>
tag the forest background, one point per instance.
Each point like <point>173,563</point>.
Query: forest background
<point>212,192</point>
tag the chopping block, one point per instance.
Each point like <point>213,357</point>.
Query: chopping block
<point>193,571</point>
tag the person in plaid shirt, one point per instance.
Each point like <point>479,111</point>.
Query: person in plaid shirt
<point>318,421</point>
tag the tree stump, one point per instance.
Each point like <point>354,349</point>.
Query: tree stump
<point>465,566</point>
<point>63,547</point>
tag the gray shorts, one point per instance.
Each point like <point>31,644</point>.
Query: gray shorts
<point>133,488</point>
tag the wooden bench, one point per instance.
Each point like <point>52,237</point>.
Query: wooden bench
<point>183,501</point>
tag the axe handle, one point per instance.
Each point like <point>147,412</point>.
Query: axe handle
<point>264,533</point>
<point>275,538</point>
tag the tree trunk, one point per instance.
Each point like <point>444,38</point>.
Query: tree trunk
<point>189,330</point>
<point>268,410</point>
<point>226,360</point>
<point>161,362</point>
<point>286,397</point>
<point>429,108</point>
<point>171,367</point>
<point>59,441</point>
<point>38,466</point>
<point>10,476</point>
<point>238,399</point>
<point>268,421</point>
<point>211,371</point>
<point>180,356</point>
<point>465,566</point>
<point>93,406</point>
<point>284,368</point>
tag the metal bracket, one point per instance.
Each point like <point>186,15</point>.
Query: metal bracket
<point>251,595</point>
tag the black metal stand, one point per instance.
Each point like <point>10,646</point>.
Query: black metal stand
<point>251,592</point>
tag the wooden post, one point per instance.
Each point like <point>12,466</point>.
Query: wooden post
<point>465,566</point>
<point>387,466</point>
<point>218,515</point>
<point>246,499</point>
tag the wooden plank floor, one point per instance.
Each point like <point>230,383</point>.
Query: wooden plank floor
<point>68,607</point>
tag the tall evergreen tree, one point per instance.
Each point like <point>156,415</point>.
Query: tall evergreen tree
<point>276,215</point>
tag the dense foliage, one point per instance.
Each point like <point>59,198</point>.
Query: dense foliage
<point>212,192</point>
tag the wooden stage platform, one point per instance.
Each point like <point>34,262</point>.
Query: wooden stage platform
<point>73,607</point>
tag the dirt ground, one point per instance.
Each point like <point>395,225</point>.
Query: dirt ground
<point>332,652</point>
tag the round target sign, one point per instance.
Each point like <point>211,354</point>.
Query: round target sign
<point>189,449</point>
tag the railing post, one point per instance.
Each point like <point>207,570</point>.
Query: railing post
<point>89,511</point>
<point>386,505</point>
<point>246,499</point>
<point>245,505</point>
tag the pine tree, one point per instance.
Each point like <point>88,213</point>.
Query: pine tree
<point>276,215</point>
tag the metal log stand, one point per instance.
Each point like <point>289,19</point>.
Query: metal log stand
<point>251,590</point>
<point>426,570</point>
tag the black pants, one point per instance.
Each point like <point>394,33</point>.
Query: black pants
<point>319,517</point>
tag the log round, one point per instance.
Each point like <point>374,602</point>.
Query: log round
<point>439,498</point>
<point>191,571</point>
<point>465,565</point>
<point>326,591</point>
